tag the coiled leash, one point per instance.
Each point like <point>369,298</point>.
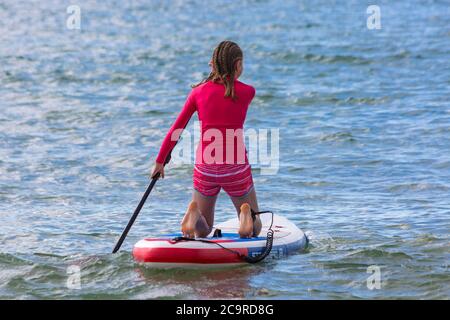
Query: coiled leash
<point>249,259</point>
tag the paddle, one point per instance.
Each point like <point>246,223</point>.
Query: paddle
<point>138,208</point>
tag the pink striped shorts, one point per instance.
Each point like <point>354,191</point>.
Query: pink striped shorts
<point>235,179</point>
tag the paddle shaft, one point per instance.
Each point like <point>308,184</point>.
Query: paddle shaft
<point>136,213</point>
<point>141,203</point>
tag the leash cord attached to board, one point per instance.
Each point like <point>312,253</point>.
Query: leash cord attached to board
<point>269,241</point>
<point>249,259</point>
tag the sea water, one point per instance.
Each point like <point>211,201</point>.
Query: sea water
<point>364,141</point>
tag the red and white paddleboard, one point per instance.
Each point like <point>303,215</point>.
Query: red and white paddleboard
<point>163,252</point>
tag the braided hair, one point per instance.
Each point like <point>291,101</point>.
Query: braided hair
<point>224,60</point>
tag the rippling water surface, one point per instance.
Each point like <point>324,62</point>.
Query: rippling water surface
<point>364,122</point>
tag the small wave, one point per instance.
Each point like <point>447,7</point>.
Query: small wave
<point>350,266</point>
<point>320,241</point>
<point>402,226</point>
<point>48,255</point>
<point>154,113</point>
<point>338,137</point>
<point>264,292</point>
<point>442,165</point>
<point>53,271</point>
<point>317,183</point>
<point>418,187</point>
<point>378,253</point>
<point>295,169</point>
<point>265,97</point>
<point>296,57</point>
<point>314,98</point>
<point>10,260</point>
<point>365,100</point>
<point>168,291</point>
<point>120,79</point>
<point>426,239</point>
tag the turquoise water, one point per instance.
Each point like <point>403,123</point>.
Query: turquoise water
<point>364,123</point>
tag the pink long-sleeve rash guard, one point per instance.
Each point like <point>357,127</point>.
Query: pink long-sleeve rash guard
<point>222,120</point>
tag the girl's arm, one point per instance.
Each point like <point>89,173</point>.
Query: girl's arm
<point>175,131</point>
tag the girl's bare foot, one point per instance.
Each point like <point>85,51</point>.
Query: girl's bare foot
<point>245,222</point>
<point>190,220</point>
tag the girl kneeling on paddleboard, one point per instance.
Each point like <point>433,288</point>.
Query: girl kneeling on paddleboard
<point>221,102</point>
